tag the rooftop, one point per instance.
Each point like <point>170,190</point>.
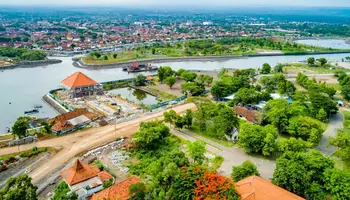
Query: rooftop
<point>79,172</point>
<point>78,79</point>
<point>256,188</point>
<point>118,191</point>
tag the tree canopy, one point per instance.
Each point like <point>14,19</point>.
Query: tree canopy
<point>19,187</point>
<point>246,169</point>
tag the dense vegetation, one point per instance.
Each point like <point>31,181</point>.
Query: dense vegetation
<point>168,171</point>
<point>21,54</point>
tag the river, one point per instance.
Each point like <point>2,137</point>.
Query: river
<point>22,88</point>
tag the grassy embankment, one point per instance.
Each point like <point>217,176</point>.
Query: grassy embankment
<point>24,154</point>
<point>199,48</point>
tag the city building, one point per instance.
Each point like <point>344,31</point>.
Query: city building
<point>79,85</point>
<point>256,188</point>
<point>84,179</point>
<point>118,191</point>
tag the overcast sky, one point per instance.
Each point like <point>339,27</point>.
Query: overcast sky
<point>333,3</point>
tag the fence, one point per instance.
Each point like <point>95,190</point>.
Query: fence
<point>22,141</point>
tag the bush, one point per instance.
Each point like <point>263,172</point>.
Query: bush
<point>246,169</point>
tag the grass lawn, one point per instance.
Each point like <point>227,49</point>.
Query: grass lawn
<point>6,136</point>
<point>161,94</point>
<point>195,128</point>
<point>124,57</point>
<point>318,69</point>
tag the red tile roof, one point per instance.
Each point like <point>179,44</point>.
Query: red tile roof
<point>244,112</point>
<point>118,191</point>
<point>80,172</point>
<point>256,188</point>
<point>104,176</point>
<point>78,79</point>
<point>61,120</point>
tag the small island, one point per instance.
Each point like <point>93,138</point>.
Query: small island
<point>11,57</point>
<point>205,49</point>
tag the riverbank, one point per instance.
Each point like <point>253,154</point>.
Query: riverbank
<point>29,64</point>
<point>81,64</point>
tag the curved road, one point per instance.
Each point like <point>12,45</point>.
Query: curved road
<point>82,141</point>
<point>335,123</point>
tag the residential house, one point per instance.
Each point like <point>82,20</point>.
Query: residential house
<point>118,191</point>
<point>249,115</point>
<point>256,188</point>
<point>71,121</point>
<point>84,179</point>
<point>80,85</point>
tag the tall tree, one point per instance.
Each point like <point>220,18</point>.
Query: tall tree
<point>20,127</point>
<point>197,151</point>
<point>266,68</point>
<point>311,60</point>
<point>19,187</point>
<point>170,81</point>
<point>337,183</point>
<point>276,113</point>
<point>322,61</point>
<point>246,169</point>
<point>164,72</point>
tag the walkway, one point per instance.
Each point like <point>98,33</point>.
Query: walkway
<point>232,155</point>
<point>79,142</point>
<point>335,122</point>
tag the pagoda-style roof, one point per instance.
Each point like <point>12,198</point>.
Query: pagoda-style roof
<point>79,172</point>
<point>78,79</point>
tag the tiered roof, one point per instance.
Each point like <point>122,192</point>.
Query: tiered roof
<point>78,79</point>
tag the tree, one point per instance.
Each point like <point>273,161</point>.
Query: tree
<point>257,139</point>
<point>170,116</point>
<point>115,56</point>
<point>293,144</point>
<point>276,113</point>
<point>153,51</point>
<point>164,72</point>
<point>107,183</point>
<point>322,115</point>
<point>214,186</point>
<point>19,187</point>
<point>322,61</point>
<point>197,151</point>
<point>209,80</point>
<point>320,100</point>
<point>61,190</point>
<point>105,57</point>
<point>179,122</point>
<point>188,76</point>
<point>296,171</point>
<point>137,191</point>
<point>345,91</point>
<point>311,60</point>
<point>150,135</point>
<point>20,127</point>
<point>170,81</point>
<point>192,88</point>
<point>266,68</point>
<point>307,128</point>
<point>222,72</point>
<point>278,68</point>
<point>337,183</point>
<point>246,169</point>
<point>342,142</point>
<point>246,96</point>
<point>140,80</point>
<point>188,118</point>
<point>180,71</point>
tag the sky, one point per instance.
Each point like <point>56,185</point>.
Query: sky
<point>260,3</point>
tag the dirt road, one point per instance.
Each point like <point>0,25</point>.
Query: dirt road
<point>79,142</point>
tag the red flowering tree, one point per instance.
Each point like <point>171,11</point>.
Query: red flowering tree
<point>212,186</point>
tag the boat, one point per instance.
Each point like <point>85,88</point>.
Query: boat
<point>35,110</point>
<point>38,106</point>
<point>140,68</point>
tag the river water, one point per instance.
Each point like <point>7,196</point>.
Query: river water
<point>22,88</point>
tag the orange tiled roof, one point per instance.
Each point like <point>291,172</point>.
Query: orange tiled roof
<point>118,191</point>
<point>79,172</point>
<point>256,188</point>
<point>78,79</point>
<point>61,120</point>
<point>244,112</point>
<point>104,176</point>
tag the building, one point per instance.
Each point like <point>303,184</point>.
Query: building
<point>70,121</point>
<point>118,191</point>
<point>80,85</point>
<point>84,179</point>
<point>248,114</point>
<point>256,188</point>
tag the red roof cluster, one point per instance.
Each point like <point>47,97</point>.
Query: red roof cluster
<point>118,191</point>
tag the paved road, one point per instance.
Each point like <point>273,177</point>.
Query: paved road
<point>335,122</point>
<point>232,155</point>
<point>75,143</point>
<point>2,184</point>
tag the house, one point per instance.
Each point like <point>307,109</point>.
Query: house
<point>71,121</point>
<point>84,179</point>
<point>242,111</point>
<point>118,191</point>
<point>256,188</point>
<point>80,85</point>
